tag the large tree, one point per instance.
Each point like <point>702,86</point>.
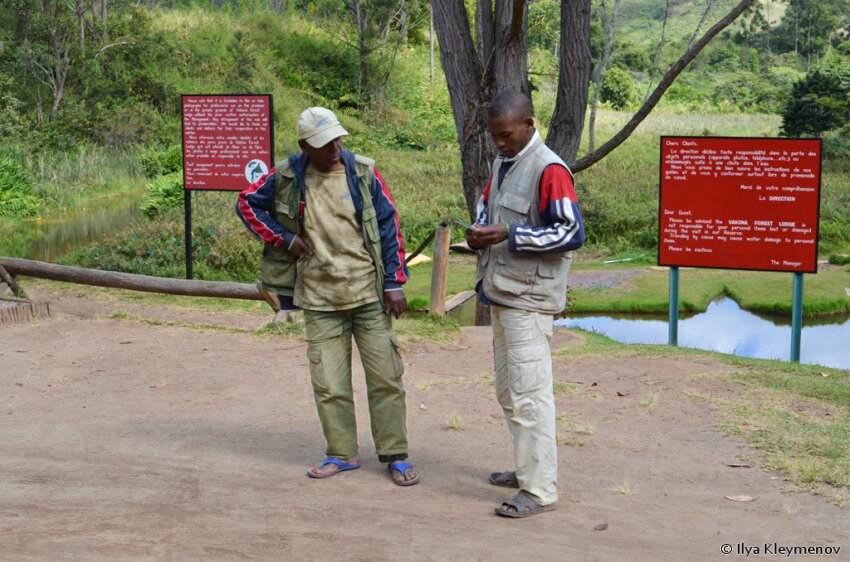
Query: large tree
<point>495,59</point>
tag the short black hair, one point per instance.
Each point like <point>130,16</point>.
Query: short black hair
<point>510,102</point>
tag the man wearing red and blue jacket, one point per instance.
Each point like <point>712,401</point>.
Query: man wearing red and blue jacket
<point>333,247</point>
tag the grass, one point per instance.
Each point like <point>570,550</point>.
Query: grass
<point>796,417</point>
<point>651,400</point>
<point>625,488</point>
<point>454,423</point>
<point>756,291</point>
<point>121,315</point>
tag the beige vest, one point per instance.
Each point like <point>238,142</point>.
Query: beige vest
<point>533,282</point>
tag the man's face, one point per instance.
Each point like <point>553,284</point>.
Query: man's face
<point>511,133</point>
<point>325,158</point>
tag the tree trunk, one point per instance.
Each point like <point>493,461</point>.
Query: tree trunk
<point>485,32</point>
<point>510,71</point>
<point>600,74</point>
<point>402,25</point>
<point>469,93</point>
<point>431,38</point>
<point>81,19</point>
<point>573,80</point>
<point>130,281</point>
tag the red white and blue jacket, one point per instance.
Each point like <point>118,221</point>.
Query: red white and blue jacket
<point>255,206</point>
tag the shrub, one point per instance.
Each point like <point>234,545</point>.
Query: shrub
<point>164,192</point>
<point>617,88</point>
<point>819,102</point>
<point>16,191</point>
<point>159,161</point>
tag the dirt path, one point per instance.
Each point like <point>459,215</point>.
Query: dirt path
<point>124,440</point>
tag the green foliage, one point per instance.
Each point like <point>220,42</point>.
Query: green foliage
<point>17,198</point>
<point>617,88</point>
<point>159,161</point>
<point>631,56</point>
<point>819,102</point>
<point>543,19</point>
<point>164,192</point>
<point>222,249</point>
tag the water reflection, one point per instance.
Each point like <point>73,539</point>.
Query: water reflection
<point>51,238</point>
<point>726,328</point>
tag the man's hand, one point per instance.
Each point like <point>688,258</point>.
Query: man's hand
<point>477,236</point>
<point>396,302</point>
<point>300,248</point>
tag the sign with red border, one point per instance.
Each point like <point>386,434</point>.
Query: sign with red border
<point>739,203</point>
<point>227,140</point>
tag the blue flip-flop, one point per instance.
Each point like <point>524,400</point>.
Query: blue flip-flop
<point>333,460</point>
<point>402,467</point>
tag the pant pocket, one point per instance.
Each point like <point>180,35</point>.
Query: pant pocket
<point>525,368</point>
<point>317,370</point>
<point>398,364</point>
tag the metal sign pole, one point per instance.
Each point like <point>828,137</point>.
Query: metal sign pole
<point>797,317</point>
<point>673,322</point>
<point>187,207</point>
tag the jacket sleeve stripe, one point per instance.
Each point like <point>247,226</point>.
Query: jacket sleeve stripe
<point>392,242</point>
<point>563,229</point>
<point>252,207</point>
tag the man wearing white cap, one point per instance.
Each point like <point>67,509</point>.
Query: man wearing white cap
<point>333,247</point>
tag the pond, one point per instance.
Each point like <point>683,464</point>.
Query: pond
<point>726,328</point>
<point>51,238</point>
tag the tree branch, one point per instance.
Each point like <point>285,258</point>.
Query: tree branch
<point>668,79</point>
<point>106,47</point>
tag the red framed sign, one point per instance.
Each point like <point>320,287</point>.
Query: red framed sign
<point>739,203</point>
<point>227,140</point>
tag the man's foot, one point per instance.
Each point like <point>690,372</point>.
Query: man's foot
<point>402,473</point>
<point>333,465</point>
<point>505,479</point>
<point>523,505</point>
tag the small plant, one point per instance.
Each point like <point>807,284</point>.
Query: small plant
<point>454,423</point>
<point>624,488</point>
<point>651,400</point>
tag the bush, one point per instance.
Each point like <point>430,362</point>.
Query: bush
<point>159,161</point>
<point>164,192</point>
<point>16,190</point>
<point>617,88</point>
<point>819,102</point>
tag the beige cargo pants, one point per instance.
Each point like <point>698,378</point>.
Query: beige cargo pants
<point>524,389</point>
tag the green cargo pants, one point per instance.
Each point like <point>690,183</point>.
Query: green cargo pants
<point>329,351</point>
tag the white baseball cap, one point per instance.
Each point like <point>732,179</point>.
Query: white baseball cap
<point>319,126</point>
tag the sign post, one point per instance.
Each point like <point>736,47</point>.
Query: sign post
<point>740,203</point>
<point>228,144</point>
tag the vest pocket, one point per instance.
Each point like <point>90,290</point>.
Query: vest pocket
<point>513,277</point>
<point>369,224</point>
<point>546,273</point>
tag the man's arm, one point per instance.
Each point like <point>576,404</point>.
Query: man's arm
<point>392,246</point>
<point>563,228</point>
<point>253,206</point>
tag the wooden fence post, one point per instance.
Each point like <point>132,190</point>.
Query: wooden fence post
<point>440,270</point>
